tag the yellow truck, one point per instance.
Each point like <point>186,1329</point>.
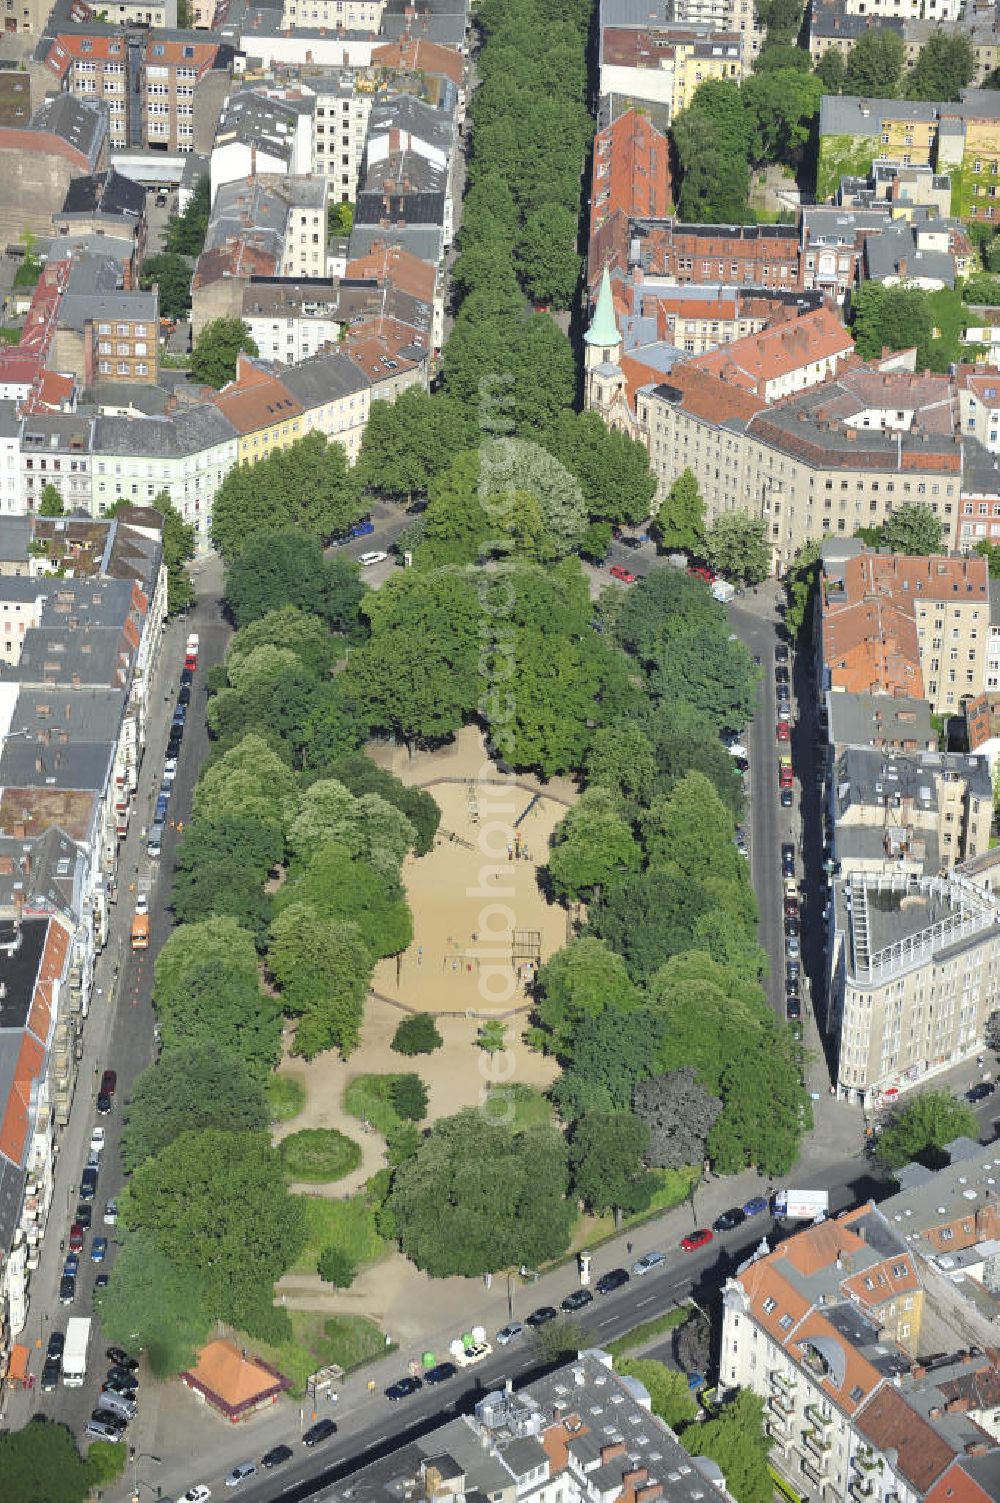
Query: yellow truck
<point>140,924</point>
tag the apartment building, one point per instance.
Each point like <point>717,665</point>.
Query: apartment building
<point>261,410</point>
<point>775,363</point>
<point>261,132</point>
<point>663,65</point>
<point>631,173</point>
<point>291,321</point>
<point>892,623</point>
<point>340,126</point>
<point>351,15</point>
<point>335,395</point>
<point>385,264</point>
<point>912,812</point>
<point>581,1434</point>
<point>914,969</point>
<point>55,450</point>
<point>829,1330</point>
<point>887,722</point>
<point>65,139</point>
<point>748,255</point>
<point>105,333</point>
<point>186,453</point>
<point>156,84</point>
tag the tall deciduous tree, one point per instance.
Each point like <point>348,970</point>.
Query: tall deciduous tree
<point>679,1114</point>
<point>875,66</point>
<point>592,847</point>
<point>171,273</point>
<point>946,64</point>
<point>736,544</point>
<point>477,1197</point>
<point>206,989</point>
<point>580,981</point>
<point>607,1169</point>
<point>737,1440</point>
<point>50,502</point>
<point>913,528</point>
<point>324,970</point>
<point>921,1126</point>
<point>669,1395</point>
<point>41,1464</point>
<point>546,255</point>
<point>186,232</point>
<point>191,1087</point>
<point>409,441</point>
<point>285,567</point>
<point>217,348</point>
<point>308,485</point>
<point>217,1206</point>
<point>680,521</point>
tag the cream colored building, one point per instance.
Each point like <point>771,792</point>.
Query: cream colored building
<point>303,252</point>
<point>337,15</point>
<point>914,975</point>
<point>337,398</point>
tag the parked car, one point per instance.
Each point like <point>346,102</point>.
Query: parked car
<point>780,674</point>
<point>781,653</point>
<point>509,1333</point>
<point>783,730</point>
<point>728,1219</point>
<point>187,674</point>
<point>614,1279</point>
<point>103,1427</point>
<point>377,556</point>
<point>71,1267</point>
<point>647,1263</point>
<point>793,1007</point>
<point>403,1389</point>
<point>577,1300</point>
<point>756,1206</point>
<point>82,1216</point>
<point>109,1082</point>
<point>76,1237</point>
<point>99,1249</point>
<point>240,1473</point>
<point>322,1430</point>
<point>791,906</point>
<point>788,859</point>
<point>275,1456</point>
<point>792,949</point>
<point>111,1213</point>
<point>791,922</point>
<point>170,769</point>
<point>184,697</point>
<point>100,1284</point>
<point>97,1140</point>
<point>67,1289</point>
<point>541,1316</point>
<point>699,1238</point>
<point>786,798</point>
<point>88,1184</point>
<point>441,1373</point>
<point>979,1092</point>
<point>618,571</point>
<point>56,1346</point>
<point>197,1494</point>
<point>50,1375</point>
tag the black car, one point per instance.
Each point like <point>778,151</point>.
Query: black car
<point>630,542</point>
<point>403,1389</point>
<point>792,974</point>
<point>979,1092</point>
<point>88,1184</point>
<point>616,1278</point>
<point>787,860</point>
<point>728,1220</point>
<point>793,1008</point>
<point>541,1316</point>
<point>184,697</point>
<point>101,1283</point>
<point>123,1372</point>
<point>577,1300</point>
<point>67,1289</point>
<point>57,1342</point>
<point>322,1430</point>
<point>791,924</point>
<point>781,653</point>
<point>117,1354</point>
<point>275,1456</point>
<point>113,1421</point>
<point>83,1215</point>
<point>103,1104</point>
<point>50,1375</point>
<point>742,765</point>
<point>785,798</point>
<point>187,674</point>
<point>781,675</point>
<point>782,693</point>
<point>441,1373</point>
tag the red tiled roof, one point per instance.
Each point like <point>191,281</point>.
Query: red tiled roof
<point>400,268</point>
<point>234,259</point>
<point>779,351</point>
<point>705,396</point>
<point>631,170</point>
<point>231,1381</point>
<point>256,400</point>
<point>889,1422</point>
<point>420,56</point>
<point>956,1486</point>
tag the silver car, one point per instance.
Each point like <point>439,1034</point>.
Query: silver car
<point>509,1333</point>
<point>647,1263</point>
<point>240,1473</point>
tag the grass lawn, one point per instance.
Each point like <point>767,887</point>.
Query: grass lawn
<point>317,1341</point>
<point>349,1223</point>
<point>530,1107</point>
<point>318,1155</point>
<point>639,1335</point>
<point>367,1097</point>
<point>286,1096</point>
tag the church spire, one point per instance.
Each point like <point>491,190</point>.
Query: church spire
<point>604,326</point>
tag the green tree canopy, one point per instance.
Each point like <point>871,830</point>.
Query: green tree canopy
<point>831,70</point>
<point>581,980</point>
<point>217,1206</point>
<point>171,273</point>
<point>290,628</point>
<point>251,781</point>
<point>50,503</point>
<point>324,969</point>
<point>186,232</point>
<point>920,1127</point>
<point>309,486</point>
<point>607,1168</point>
<point>206,989</point>
<point>41,1464</point>
<point>913,528</point>
<point>345,889</point>
<point>192,1086</point>
<point>875,68</point>
<point>547,260</point>
<point>361,775</point>
<point>217,348</point>
<point>592,847</point>
<point>692,829</point>
<point>622,759</point>
<point>477,1197</point>
<point>945,65</point>
<point>680,521</point>
<point>409,441</point>
<point>737,1440</point>
<point>894,318</point>
<point>736,544</point>
<point>669,1395</point>
<point>155,1304</point>
<point>611,468</point>
<point>285,568</point>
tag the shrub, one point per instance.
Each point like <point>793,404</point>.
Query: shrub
<point>318,1155</point>
<point>409,1097</point>
<point>417,1035</point>
<point>336,1267</point>
<point>286,1096</point>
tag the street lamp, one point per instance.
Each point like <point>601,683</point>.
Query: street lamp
<point>135,1457</point>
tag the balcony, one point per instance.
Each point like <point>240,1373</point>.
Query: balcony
<point>818,1445</point>
<point>812,1472</point>
<point>867,1461</point>
<point>781,1404</point>
<point>817,1418</point>
<point>861,1489</point>
<point>783,1381</point>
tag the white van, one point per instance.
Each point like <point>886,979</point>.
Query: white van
<point>155,840</point>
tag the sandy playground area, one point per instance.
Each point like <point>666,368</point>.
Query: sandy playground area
<point>481,926</point>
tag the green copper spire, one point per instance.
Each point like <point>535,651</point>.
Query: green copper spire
<point>604,327</point>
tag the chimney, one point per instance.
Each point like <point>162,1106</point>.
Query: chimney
<point>609,1452</point>
<point>634,1475</point>
<point>901,266</point>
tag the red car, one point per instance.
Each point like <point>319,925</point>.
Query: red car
<point>783,731</point>
<point>701,572</point>
<point>76,1237</point>
<point>697,1239</point>
<point>785,777</point>
<point>191,661</point>
<point>618,571</point>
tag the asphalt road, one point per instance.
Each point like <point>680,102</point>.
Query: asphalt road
<point>126,1044</point>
